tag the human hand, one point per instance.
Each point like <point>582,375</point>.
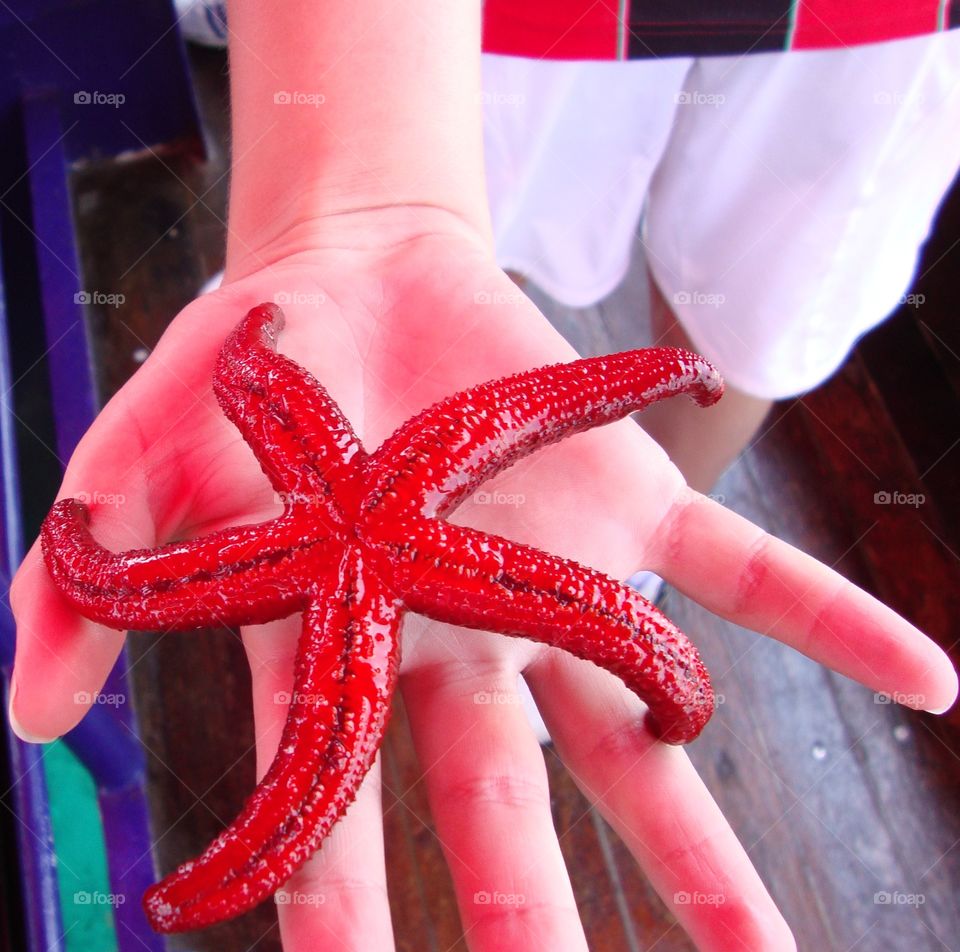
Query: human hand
<point>388,331</point>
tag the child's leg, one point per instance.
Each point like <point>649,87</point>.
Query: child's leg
<point>702,442</point>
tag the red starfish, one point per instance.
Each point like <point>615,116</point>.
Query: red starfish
<point>360,541</point>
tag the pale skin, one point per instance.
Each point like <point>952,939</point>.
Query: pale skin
<point>702,443</point>
<point>369,215</point>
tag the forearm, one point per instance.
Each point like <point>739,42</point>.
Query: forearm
<point>383,112</point>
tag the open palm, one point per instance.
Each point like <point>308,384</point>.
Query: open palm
<point>387,333</point>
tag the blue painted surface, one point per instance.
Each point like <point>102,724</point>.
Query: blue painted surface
<point>35,847</point>
<point>78,81</point>
<point>61,287</point>
<point>91,51</point>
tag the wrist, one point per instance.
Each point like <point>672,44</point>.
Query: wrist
<point>341,111</point>
<point>374,229</point>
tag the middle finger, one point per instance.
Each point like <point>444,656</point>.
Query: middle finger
<point>487,785</point>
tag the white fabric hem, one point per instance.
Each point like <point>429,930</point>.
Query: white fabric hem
<point>569,297</point>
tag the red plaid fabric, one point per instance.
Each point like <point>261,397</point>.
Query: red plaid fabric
<point>637,29</point>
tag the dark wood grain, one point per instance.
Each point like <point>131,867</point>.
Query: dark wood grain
<point>593,874</point>
<point>434,923</point>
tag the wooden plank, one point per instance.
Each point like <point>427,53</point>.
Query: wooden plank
<point>937,282</point>
<point>884,735</point>
<point>593,878</point>
<point>422,901</point>
<point>193,700</point>
<point>433,921</point>
<point>838,858</point>
<point>908,565</point>
<point>921,405</point>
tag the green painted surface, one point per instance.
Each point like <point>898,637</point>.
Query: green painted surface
<point>86,902</point>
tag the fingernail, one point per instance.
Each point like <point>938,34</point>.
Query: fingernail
<point>15,724</point>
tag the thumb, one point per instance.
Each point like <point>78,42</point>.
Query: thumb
<point>134,494</point>
<point>136,473</point>
<point>62,658</point>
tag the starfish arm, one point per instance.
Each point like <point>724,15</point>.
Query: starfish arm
<point>345,676</point>
<point>243,574</point>
<point>301,439</point>
<point>436,459</point>
<point>465,577</point>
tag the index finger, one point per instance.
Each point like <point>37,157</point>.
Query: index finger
<point>742,573</point>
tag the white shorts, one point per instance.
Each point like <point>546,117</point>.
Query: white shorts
<point>787,195</point>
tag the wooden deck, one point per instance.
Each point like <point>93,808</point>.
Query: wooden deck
<point>836,797</point>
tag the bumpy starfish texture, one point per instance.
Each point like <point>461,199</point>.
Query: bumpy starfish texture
<point>362,540</point>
